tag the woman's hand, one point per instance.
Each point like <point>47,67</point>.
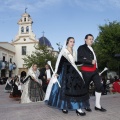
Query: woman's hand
<point>40,82</point>
<point>44,77</point>
<point>34,79</point>
<point>56,75</point>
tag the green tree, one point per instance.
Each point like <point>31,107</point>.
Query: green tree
<point>107,44</point>
<point>40,56</point>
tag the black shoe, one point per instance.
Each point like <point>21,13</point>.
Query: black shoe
<point>100,109</point>
<point>65,111</point>
<point>88,109</point>
<point>80,113</point>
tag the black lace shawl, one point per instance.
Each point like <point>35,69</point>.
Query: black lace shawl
<point>72,85</point>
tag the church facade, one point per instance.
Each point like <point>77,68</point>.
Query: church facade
<point>23,44</point>
<point>24,41</point>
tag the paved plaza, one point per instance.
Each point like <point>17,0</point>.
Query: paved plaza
<point>11,109</point>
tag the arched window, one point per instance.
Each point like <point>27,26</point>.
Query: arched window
<point>3,58</point>
<point>25,19</point>
<point>27,29</point>
<point>10,60</point>
<point>22,29</point>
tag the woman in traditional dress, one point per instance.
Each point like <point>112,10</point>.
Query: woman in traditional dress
<point>8,85</point>
<point>66,90</point>
<point>15,93</point>
<point>32,88</point>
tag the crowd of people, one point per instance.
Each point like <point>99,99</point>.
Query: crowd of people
<point>30,87</point>
<point>12,86</point>
<point>113,85</point>
<point>67,87</point>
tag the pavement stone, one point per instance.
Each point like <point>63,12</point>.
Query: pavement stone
<point>11,109</point>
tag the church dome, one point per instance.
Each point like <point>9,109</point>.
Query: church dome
<point>44,41</point>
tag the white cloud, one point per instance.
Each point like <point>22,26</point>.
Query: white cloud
<point>19,5</point>
<point>89,5</point>
<point>115,3</point>
<point>35,5</point>
<point>99,5</point>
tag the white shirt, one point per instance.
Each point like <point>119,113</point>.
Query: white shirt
<point>48,74</point>
<point>93,54</point>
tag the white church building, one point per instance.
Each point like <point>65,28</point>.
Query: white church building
<point>23,44</point>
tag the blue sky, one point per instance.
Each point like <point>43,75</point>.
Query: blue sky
<point>58,18</point>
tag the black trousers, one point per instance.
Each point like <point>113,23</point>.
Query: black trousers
<point>10,73</point>
<point>95,77</point>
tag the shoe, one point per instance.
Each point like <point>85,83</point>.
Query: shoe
<point>100,109</point>
<point>65,111</point>
<point>88,109</point>
<point>80,113</point>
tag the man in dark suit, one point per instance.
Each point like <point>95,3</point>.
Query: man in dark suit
<point>87,57</point>
<point>45,76</point>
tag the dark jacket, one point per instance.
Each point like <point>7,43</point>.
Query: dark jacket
<point>85,55</point>
<point>42,74</point>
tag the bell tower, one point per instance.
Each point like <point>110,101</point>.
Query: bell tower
<point>25,24</point>
<point>24,41</point>
<point>25,33</point>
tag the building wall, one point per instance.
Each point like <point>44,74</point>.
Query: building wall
<point>7,46</point>
<point>7,55</point>
<point>19,57</point>
<point>14,50</point>
<point>7,50</point>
